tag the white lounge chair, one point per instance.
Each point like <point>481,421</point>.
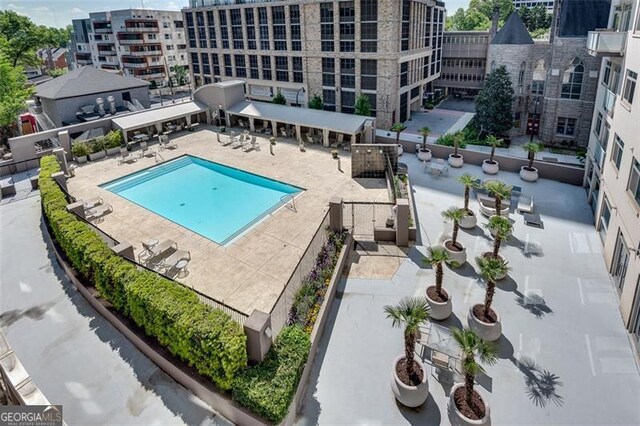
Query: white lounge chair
<point>154,253</point>
<point>176,260</point>
<point>97,212</point>
<point>93,202</point>
<point>525,203</point>
<point>171,144</point>
<point>144,149</point>
<point>126,157</point>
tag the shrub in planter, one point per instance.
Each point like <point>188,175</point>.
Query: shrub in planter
<point>335,153</point>
<point>455,159</point>
<point>529,173</point>
<point>80,150</point>
<point>113,141</point>
<point>491,166</point>
<point>454,248</point>
<point>470,220</point>
<point>96,147</point>
<point>482,318</point>
<point>424,154</point>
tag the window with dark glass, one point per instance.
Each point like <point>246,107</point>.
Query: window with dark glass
<point>228,68</point>
<point>347,26</point>
<point>206,67</point>
<point>347,101</point>
<point>403,107</point>
<point>266,68</point>
<point>279,28</point>
<point>191,34</point>
<point>297,69</point>
<point>329,99</point>
<point>617,151</point>
<point>236,28</point>
<point>216,64</point>
<point>634,181</point>
<point>566,126</point>
<point>224,31</point>
<point>294,27</point>
<point>282,68</point>
<point>404,71</point>
<point>263,20</point>
<point>328,72</point>
<point>348,73</point>
<point>368,25</point>
<point>211,27</point>
<point>368,74</point>
<point>572,80</point>
<point>326,27</point>
<point>406,24</point>
<point>241,66</point>
<point>253,66</point>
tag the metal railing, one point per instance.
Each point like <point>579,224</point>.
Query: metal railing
<point>361,217</point>
<point>280,311</point>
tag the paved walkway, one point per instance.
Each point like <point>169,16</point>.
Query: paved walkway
<point>75,356</point>
<point>564,357</point>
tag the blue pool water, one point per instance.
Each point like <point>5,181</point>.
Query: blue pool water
<point>215,201</point>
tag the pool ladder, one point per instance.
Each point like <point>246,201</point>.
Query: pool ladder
<point>290,201</point>
<point>157,154</point>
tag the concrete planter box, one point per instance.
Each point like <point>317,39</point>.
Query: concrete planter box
<point>486,331</point>
<point>528,175</point>
<point>469,221</point>
<point>490,168</point>
<point>440,310</point>
<point>113,151</point>
<point>457,418</point>
<point>409,396</point>
<point>424,155</point>
<point>459,257</point>
<point>456,161</point>
<point>81,160</point>
<point>97,155</point>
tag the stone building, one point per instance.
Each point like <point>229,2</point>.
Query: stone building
<point>555,81</point>
<point>387,50</point>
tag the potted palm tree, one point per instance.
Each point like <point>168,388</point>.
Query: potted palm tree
<point>453,247</point>
<point>455,159</point>
<point>466,404</point>
<point>439,300</point>
<point>470,220</point>
<point>409,377</point>
<point>490,166</point>
<point>398,128</point>
<point>499,191</point>
<point>482,318</point>
<point>529,173</point>
<point>424,154</point>
<point>500,227</point>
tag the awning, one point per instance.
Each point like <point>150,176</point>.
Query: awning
<point>152,116</point>
<point>334,121</point>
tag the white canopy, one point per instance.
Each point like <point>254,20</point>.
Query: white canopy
<point>152,116</point>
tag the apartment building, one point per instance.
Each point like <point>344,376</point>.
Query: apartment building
<point>533,3</point>
<point>464,62</point>
<point>387,50</point>
<point>139,42</point>
<point>612,175</point>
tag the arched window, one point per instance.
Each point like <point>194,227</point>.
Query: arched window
<point>538,79</point>
<point>523,67</point>
<point>572,80</point>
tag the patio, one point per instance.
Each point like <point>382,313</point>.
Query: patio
<point>564,356</point>
<point>250,272</point>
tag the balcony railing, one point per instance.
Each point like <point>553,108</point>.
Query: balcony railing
<point>108,52</point>
<point>143,53</point>
<point>135,65</point>
<point>606,43</point>
<point>599,154</point>
<point>103,30</point>
<point>141,29</point>
<point>84,61</point>
<point>609,101</point>
<point>124,41</point>
<point>150,76</point>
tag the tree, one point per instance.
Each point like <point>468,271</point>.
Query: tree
<point>501,227</point>
<point>455,215</point>
<point>469,182</point>
<point>494,143</point>
<point>491,268</point>
<point>487,7</point>
<point>424,131</point>
<point>180,74</point>
<point>411,312</point>
<point>315,102</point>
<point>21,38</point>
<point>500,191</point>
<point>279,99</point>
<point>470,20</point>
<point>57,72</point>
<point>436,257</point>
<point>532,149</point>
<point>13,96</point>
<point>472,346</point>
<point>458,139</point>
<point>494,103</point>
<point>398,128</point>
<point>363,106</point>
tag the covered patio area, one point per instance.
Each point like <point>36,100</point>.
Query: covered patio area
<point>331,129</point>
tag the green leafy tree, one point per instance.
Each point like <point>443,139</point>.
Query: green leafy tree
<point>500,191</point>
<point>424,131</point>
<point>315,102</point>
<point>279,99</point>
<point>14,93</point>
<point>491,268</point>
<point>458,139</point>
<point>469,20</point>
<point>410,313</point>
<point>472,347</point>
<point>469,182</point>
<point>494,103</point>
<point>435,257</point>
<point>501,228</point>
<point>487,7</point>
<point>455,215</point>
<point>363,106</point>
<point>20,37</point>
<point>494,143</point>
<point>57,72</point>
<point>180,74</point>
<point>398,128</point>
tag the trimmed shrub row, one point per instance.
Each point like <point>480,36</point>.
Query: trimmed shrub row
<point>268,388</point>
<point>205,338</point>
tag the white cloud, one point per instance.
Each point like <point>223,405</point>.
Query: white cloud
<point>78,11</point>
<point>41,9</point>
<point>13,6</point>
<point>171,5</point>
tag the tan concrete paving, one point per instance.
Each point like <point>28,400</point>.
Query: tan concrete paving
<point>251,271</point>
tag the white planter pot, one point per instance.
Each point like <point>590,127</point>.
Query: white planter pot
<point>424,155</point>
<point>400,150</point>
<point>440,310</point>
<point>528,175</point>
<point>458,419</point>
<point>456,161</point>
<point>469,221</point>
<point>459,257</point>
<point>113,151</point>
<point>409,396</point>
<point>487,331</point>
<point>490,168</point>
<point>96,155</point>
<point>81,160</point>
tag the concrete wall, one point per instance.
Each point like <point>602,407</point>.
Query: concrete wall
<point>226,94</point>
<point>370,160</point>
<point>63,111</point>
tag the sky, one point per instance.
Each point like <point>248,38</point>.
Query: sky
<point>59,13</point>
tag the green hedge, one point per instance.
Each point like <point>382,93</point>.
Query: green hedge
<point>268,388</point>
<point>207,339</point>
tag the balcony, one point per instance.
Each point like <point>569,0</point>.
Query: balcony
<point>107,52</point>
<point>609,101</point>
<point>135,65</point>
<point>141,29</point>
<point>606,43</point>
<point>143,53</point>
<point>84,61</point>
<point>150,76</point>
<point>128,41</point>
<point>599,154</point>
<point>103,30</point>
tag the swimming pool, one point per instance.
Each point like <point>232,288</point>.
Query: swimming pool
<point>213,200</point>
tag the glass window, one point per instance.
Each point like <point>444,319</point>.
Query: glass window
<point>605,214</point>
<point>404,68</point>
<point>572,80</point>
<point>348,101</point>
<point>566,126</point>
<point>282,68</point>
<point>368,72</point>
<point>634,181</point>
<point>328,72</point>
<point>368,25</point>
<point>629,86</point>
<point>266,68</point>
<point>618,150</point>
<point>329,99</point>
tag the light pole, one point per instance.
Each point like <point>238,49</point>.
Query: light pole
<point>535,118</point>
<point>298,93</point>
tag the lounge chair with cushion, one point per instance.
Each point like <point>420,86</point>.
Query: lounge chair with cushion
<point>126,157</point>
<point>93,202</point>
<point>170,144</point>
<point>98,212</point>
<point>144,150</point>
<point>155,253</point>
<point>525,203</point>
<point>176,260</point>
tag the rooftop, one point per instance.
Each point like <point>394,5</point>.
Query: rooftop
<point>513,32</point>
<point>86,81</point>
<point>149,117</point>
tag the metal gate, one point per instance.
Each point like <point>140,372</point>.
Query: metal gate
<point>361,217</point>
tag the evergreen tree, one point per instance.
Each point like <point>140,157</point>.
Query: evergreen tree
<point>315,102</point>
<point>362,107</point>
<point>494,103</point>
<point>279,99</point>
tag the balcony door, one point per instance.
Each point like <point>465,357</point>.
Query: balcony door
<point>620,262</point>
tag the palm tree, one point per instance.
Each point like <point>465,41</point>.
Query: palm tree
<point>491,268</point>
<point>424,131</point>
<point>472,346</point>
<point>455,215</point>
<point>398,127</point>
<point>501,228</point>
<point>493,142</point>
<point>411,312</point>
<point>458,138</point>
<point>469,182</point>
<point>436,257</point>
<point>532,148</point>
<point>500,191</point>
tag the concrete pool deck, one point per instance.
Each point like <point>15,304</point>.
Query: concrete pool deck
<point>250,272</point>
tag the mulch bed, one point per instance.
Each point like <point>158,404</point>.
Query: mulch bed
<point>478,312</point>
<point>433,295</point>
<point>450,246</point>
<point>401,371</point>
<point>475,411</point>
